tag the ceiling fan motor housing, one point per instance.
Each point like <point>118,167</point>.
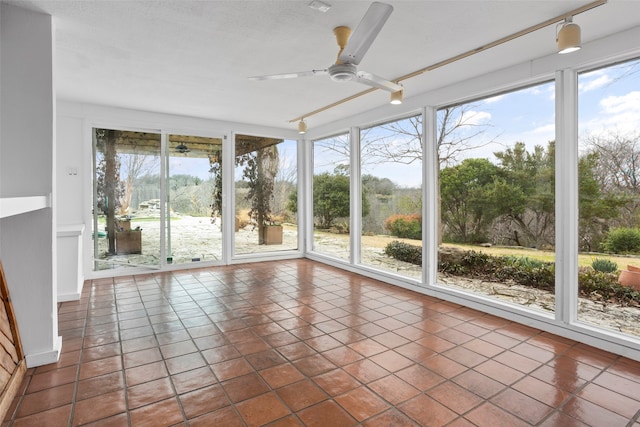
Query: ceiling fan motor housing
<point>342,72</point>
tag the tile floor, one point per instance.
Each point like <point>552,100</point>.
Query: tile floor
<point>300,343</point>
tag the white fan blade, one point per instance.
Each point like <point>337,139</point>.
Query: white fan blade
<point>366,32</point>
<point>375,81</point>
<point>290,75</point>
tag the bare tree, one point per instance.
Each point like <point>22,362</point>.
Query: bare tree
<point>618,167</point>
<point>134,166</point>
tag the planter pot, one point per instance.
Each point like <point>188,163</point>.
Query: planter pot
<point>630,279</point>
<point>272,234</point>
<point>129,242</point>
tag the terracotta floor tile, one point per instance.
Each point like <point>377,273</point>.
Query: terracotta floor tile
<point>336,382</point>
<point>559,419</point>
<point>443,366</point>
<point>391,360</point>
<point>479,384</point>
<point>281,375</point>
<point>56,417</point>
<point>99,385</point>
<point>542,391</point>
<point>490,415</point>
<point>362,403</point>
<point>194,379</point>
<point>522,406</point>
<point>184,363</point>
<point>201,401</point>
<point>163,413</point>
<point>118,420</point>
<point>499,372</point>
<point>435,343</point>
<point>265,359</point>
<point>427,411</point>
<point>455,397</point>
<point>565,380</point>
<point>465,356</point>
<point>262,410</point>
<point>100,367</point>
<point>610,400</point>
<point>592,414</point>
<point>244,387</point>
<point>420,377</point>
<point>295,351</point>
<point>46,399</point>
<point>301,394</point>
<point>210,341</point>
<point>52,378</point>
<point>178,349</point>
<point>226,417</point>
<point>144,373</point>
<point>342,356</point>
<point>619,384</point>
<point>231,369</point>
<point>327,413</point>
<point>389,418</point>
<point>220,354</point>
<point>348,336</point>
<point>368,347</point>
<point>149,392</point>
<point>390,339</point>
<point>314,365</point>
<point>366,371</point>
<point>517,361</point>
<point>141,357</point>
<point>393,389</point>
<point>99,407</point>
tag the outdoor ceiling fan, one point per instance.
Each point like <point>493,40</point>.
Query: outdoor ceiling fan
<point>351,53</point>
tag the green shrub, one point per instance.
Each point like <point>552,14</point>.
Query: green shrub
<point>622,241</point>
<point>404,252</point>
<point>604,265</point>
<point>606,285</point>
<point>405,226</point>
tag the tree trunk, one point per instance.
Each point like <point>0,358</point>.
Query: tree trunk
<point>110,183</point>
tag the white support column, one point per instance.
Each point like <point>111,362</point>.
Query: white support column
<point>430,206</point>
<point>305,196</point>
<point>566,165</point>
<point>27,168</point>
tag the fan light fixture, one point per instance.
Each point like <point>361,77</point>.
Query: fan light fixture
<point>397,97</point>
<point>302,127</point>
<point>568,37</point>
<point>182,148</point>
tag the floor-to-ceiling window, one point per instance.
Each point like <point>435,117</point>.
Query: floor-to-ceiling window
<point>391,184</point>
<point>496,197</point>
<point>127,199</point>
<point>331,196</point>
<point>609,197</point>
<point>265,194</point>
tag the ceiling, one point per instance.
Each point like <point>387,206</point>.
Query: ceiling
<point>193,57</point>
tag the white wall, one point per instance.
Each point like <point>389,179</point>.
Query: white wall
<point>27,144</point>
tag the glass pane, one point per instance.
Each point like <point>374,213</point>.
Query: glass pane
<point>331,192</point>
<point>265,194</point>
<point>127,203</point>
<point>391,176</point>
<point>497,206</point>
<point>193,233</point>
<point>609,198</point>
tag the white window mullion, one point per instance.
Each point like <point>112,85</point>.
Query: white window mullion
<point>228,198</point>
<point>566,164</point>
<point>355,233</point>
<point>430,205</point>
<point>164,173</point>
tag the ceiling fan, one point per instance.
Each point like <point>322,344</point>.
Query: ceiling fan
<point>351,53</point>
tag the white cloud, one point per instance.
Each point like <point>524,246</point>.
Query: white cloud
<point>596,83</point>
<point>476,117</point>
<point>495,98</point>
<point>629,103</point>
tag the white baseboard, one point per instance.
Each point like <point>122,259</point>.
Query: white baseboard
<point>73,296</point>
<point>44,358</point>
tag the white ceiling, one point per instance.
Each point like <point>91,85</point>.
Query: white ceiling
<point>193,57</point>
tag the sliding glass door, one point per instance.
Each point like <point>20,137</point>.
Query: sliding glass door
<point>126,202</point>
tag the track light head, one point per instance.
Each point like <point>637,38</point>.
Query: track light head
<point>302,127</point>
<point>568,36</point>
<point>397,97</point>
